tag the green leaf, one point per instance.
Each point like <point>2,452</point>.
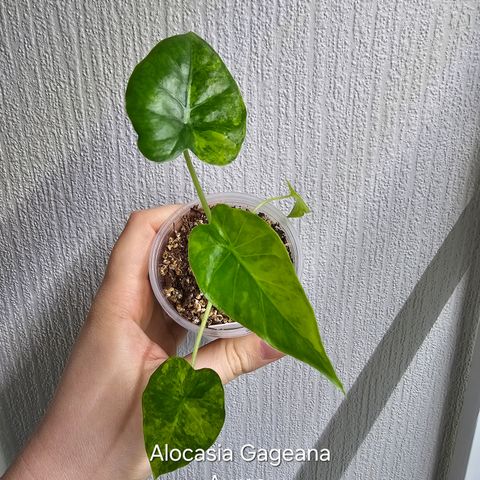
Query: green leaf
<point>243,268</point>
<point>182,96</point>
<point>300,208</point>
<point>182,408</point>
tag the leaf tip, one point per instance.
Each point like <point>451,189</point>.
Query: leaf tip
<point>340,386</point>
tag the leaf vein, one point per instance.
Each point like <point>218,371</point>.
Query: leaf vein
<point>215,271</point>
<point>171,95</point>
<point>211,97</point>
<point>254,239</point>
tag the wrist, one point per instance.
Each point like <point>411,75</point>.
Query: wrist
<point>19,470</point>
<point>44,458</point>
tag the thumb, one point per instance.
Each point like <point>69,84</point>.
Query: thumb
<point>232,357</point>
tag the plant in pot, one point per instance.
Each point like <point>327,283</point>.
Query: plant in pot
<point>225,267</point>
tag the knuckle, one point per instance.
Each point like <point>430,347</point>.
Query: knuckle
<point>135,216</point>
<point>238,360</point>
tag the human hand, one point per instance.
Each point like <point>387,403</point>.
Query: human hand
<point>93,427</point>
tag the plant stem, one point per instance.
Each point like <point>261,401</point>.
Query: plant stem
<point>208,213</point>
<point>197,186</point>
<point>269,200</point>
<point>203,324</point>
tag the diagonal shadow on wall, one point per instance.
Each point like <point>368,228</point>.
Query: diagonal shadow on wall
<point>29,381</point>
<point>460,371</point>
<point>28,388</point>
<point>366,399</point>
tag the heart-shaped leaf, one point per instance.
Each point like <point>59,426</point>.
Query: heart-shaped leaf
<point>182,408</point>
<point>182,96</point>
<point>243,268</point>
<point>300,208</point>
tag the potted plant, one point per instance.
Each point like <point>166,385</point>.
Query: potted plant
<point>181,98</point>
<point>171,277</point>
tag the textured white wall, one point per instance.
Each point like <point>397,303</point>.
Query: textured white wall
<point>370,109</point>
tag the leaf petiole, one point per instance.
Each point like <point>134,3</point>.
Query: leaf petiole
<point>299,209</point>
<point>208,213</point>
<point>270,200</point>
<point>203,324</point>
<point>197,185</point>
